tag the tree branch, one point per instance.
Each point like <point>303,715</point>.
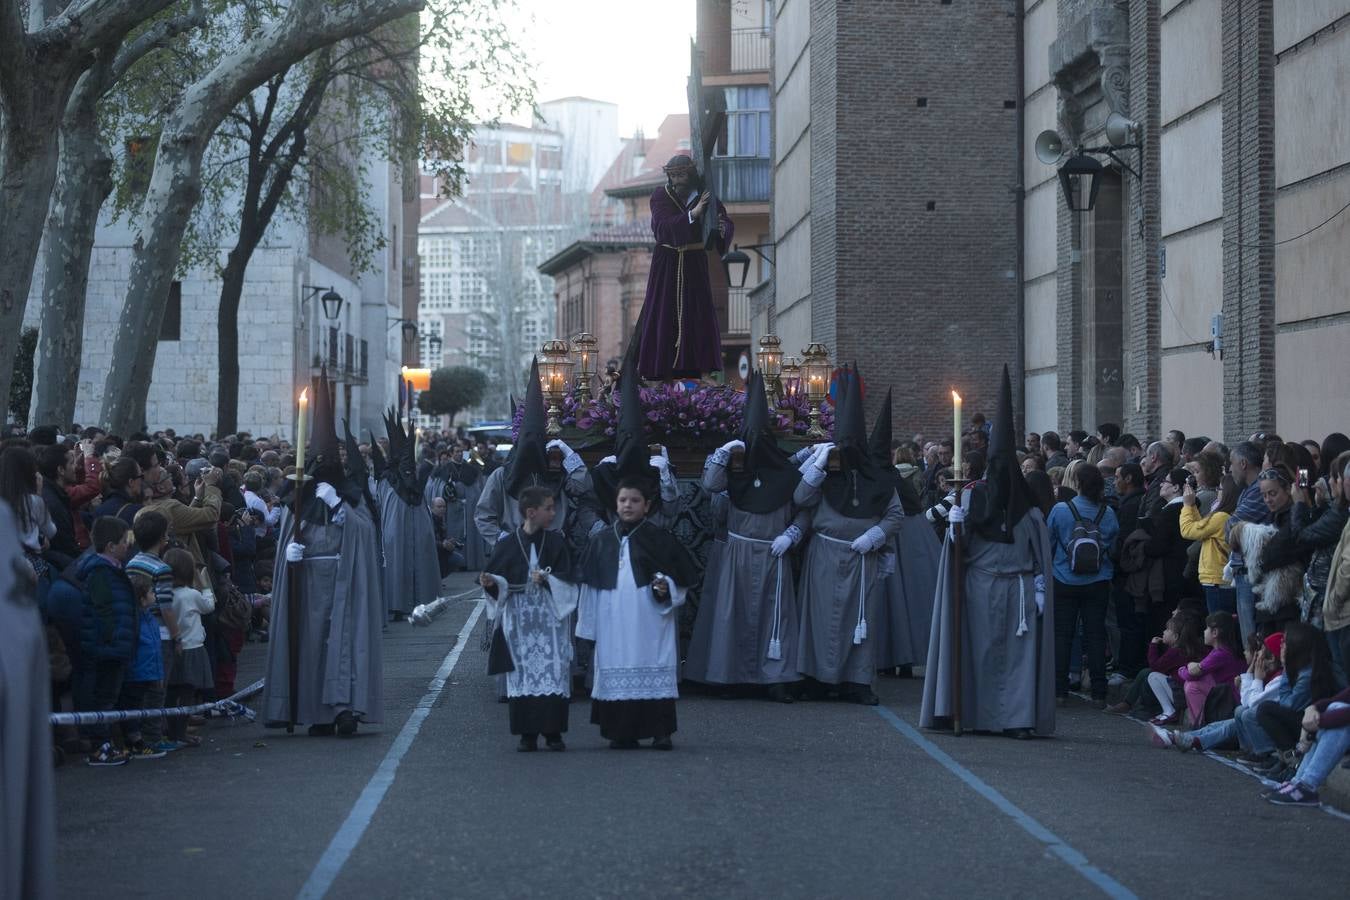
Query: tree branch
<point>157,36</point>
<point>95,23</point>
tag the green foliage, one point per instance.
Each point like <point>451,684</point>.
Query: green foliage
<point>453,389</point>
<point>402,94</point>
<point>21,387</point>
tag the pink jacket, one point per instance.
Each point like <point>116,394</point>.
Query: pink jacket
<point>1220,665</point>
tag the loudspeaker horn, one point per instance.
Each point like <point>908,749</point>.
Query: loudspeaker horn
<point>1120,130</point>
<point>1049,147</point>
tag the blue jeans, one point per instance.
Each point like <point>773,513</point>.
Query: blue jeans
<point>1220,599</point>
<point>1246,604</point>
<point>1324,756</point>
<point>1216,734</point>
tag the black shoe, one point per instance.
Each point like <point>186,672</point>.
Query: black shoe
<point>864,695</point>
<point>623,745</point>
<point>778,693</point>
<point>662,743</point>
<point>1018,734</point>
<point>345,724</point>
<point>397,616</point>
<point>554,742</point>
<point>321,731</point>
<point>528,743</point>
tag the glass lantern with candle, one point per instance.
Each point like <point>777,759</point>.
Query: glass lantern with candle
<point>555,371</point>
<point>769,359</point>
<point>791,377</point>
<point>584,354</point>
<point>816,372</point>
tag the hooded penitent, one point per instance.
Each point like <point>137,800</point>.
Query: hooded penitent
<point>879,445</point>
<point>402,470</point>
<point>860,489</point>
<point>325,460</point>
<point>633,459</point>
<point>1004,498</point>
<point>528,463</point>
<point>769,477</point>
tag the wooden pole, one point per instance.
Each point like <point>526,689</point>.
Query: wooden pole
<point>294,585</point>
<point>958,602</point>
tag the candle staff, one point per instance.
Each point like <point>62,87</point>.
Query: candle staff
<point>994,602</point>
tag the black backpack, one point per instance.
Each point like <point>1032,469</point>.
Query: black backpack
<point>1085,544</point>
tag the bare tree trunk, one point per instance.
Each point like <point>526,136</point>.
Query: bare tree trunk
<point>83,183</point>
<point>227,338</point>
<point>30,155</point>
<point>175,185</point>
<point>39,66</point>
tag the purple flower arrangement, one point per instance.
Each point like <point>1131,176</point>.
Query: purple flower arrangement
<point>678,416</point>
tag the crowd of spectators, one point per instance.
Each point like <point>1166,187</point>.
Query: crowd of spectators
<point>1219,606</point>
<point>154,556</point>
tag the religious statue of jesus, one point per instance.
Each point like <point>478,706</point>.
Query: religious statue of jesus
<point>678,334</point>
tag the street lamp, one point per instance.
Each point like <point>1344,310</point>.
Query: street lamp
<point>583,348</point>
<point>769,358</point>
<point>555,369</point>
<point>1076,168</point>
<point>434,344</point>
<point>331,300</point>
<point>816,370</point>
<point>737,262</point>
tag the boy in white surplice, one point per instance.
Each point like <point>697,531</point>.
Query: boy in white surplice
<point>530,597</point>
<point>633,576</point>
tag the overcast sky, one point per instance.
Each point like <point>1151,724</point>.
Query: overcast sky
<point>631,52</point>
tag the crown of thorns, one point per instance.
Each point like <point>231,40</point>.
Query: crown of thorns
<point>678,164</point>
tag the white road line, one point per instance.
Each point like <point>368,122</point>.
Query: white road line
<point>349,835</point>
<point>1076,860</point>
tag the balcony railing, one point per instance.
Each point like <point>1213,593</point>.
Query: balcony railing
<point>744,179</point>
<point>750,49</point>
<point>738,311</point>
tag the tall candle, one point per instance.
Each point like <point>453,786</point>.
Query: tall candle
<point>300,433</point>
<point>956,436</point>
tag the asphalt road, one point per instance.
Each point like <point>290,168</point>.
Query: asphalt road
<point>809,800</point>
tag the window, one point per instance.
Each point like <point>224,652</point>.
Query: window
<point>171,327</point>
<point>747,124</point>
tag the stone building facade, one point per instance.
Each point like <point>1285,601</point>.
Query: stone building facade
<point>1235,227</point>
<point>894,204</point>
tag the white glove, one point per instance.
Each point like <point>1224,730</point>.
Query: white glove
<point>559,445</point>
<point>609,459</point>
<point>597,527</point>
<point>1040,593</point>
<point>503,536</point>
<point>571,459</point>
<point>869,540</point>
<point>327,493</point>
<point>732,446</point>
<point>956,515</point>
<point>660,463</point>
<point>781,544</point>
<point>821,455</point>
<point>295,552</point>
<point>802,455</point>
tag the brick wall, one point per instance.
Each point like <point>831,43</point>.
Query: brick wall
<point>1249,217</point>
<point>914,208</point>
<point>1143,338</point>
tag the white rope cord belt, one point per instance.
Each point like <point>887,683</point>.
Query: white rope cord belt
<point>1022,627</point>
<point>775,636</point>
<point>230,706</point>
<point>860,629</point>
<point>679,290</point>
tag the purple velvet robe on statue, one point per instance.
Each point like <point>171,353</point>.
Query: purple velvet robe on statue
<point>680,337</point>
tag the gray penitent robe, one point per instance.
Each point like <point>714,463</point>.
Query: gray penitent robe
<point>498,511</point>
<point>839,591</point>
<point>341,661</point>
<point>460,525</point>
<point>746,630</point>
<point>27,804</point>
<point>905,614</point>
<point>1007,679</point>
<point>412,573</point>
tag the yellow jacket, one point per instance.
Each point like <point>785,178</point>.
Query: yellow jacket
<point>1214,549</point>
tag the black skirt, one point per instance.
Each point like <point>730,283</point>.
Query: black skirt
<point>633,720</point>
<point>538,715</point>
